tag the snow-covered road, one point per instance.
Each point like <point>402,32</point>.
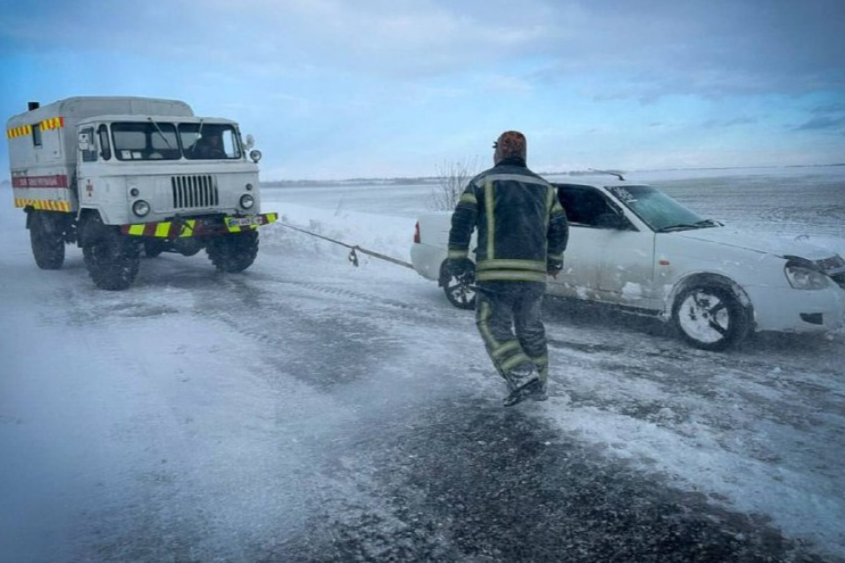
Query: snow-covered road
<point>308,410</point>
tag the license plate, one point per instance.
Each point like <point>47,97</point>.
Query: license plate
<point>244,221</point>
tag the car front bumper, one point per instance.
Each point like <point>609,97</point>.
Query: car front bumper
<point>795,310</point>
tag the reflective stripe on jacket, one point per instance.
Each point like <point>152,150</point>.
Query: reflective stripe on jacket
<point>520,224</point>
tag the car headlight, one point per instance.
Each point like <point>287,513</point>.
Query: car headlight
<point>800,277</point>
<point>140,208</point>
<point>247,201</point>
<point>255,155</point>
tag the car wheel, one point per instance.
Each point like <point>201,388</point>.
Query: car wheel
<point>710,317</point>
<point>459,290</point>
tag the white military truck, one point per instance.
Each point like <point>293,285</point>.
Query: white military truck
<point>122,175</point>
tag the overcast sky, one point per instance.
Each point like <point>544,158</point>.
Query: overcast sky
<point>338,89</point>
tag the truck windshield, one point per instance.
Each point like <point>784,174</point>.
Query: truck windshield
<point>209,141</point>
<point>145,141</point>
<point>160,140</point>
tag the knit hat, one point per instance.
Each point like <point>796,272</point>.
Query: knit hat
<point>510,144</point>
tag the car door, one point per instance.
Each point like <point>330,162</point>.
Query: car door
<point>581,270</point>
<point>609,257</point>
<point>626,272</point>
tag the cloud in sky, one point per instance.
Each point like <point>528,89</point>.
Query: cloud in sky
<point>336,89</point>
<point>823,122</point>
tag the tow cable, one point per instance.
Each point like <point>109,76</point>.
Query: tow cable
<point>353,249</point>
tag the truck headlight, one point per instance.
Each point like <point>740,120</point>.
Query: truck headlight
<point>255,155</point>
<point>140,208</point>
<point>247,201</point>
<point>800,277</point>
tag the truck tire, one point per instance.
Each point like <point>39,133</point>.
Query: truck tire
<point>234,252</point>
<point>111,258</point>
<point>709,316</point>
<point>47,236</point>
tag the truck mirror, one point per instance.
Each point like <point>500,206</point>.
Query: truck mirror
<point>250,141</point>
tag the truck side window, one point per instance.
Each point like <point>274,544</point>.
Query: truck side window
<point>105,146</point>
<point>36,135</point>
<point>89,155</point>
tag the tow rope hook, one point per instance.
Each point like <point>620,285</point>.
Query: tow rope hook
<point>353,256</point>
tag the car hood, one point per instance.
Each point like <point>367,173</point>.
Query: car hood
<point>758,242</point>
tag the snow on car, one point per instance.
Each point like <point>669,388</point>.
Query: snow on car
<point>634,247</point>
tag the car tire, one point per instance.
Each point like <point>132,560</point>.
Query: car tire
<point>47,237</point>
<point>459,290</point>
<point>710,317</point>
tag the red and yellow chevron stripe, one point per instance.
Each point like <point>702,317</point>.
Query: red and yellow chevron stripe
<point>20,131</point>
<point>192,227</point>
<point>45,125</point>
<point>43,204</point>
<point>53,123</point>
<point>164,229</point>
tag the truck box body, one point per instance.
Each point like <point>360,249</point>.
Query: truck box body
<point>42,144</point>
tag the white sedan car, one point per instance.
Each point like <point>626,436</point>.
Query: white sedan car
<point>634,247</point>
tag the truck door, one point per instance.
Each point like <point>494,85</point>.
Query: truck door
<point>86,155</point>
<point>94,149</point>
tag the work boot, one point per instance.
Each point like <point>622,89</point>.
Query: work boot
<point>523,382</point>
<point>530,389</point>
<point>519,376</point>
<point>542,392</point>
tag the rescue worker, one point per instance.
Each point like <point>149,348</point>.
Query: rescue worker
<point>522,234</point>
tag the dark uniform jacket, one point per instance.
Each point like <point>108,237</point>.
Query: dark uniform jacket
<point>520,224</point>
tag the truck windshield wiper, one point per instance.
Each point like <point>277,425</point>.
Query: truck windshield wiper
<point>160,132</point>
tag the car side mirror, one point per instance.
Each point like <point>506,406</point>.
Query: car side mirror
<point>250,141</point>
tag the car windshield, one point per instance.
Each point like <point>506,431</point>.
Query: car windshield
<point>658,210</point>
<point>160,140</point>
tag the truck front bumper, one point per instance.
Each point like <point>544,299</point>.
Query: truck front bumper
<point>199,226</point>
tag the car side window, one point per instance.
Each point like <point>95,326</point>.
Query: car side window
<point>584,205</point>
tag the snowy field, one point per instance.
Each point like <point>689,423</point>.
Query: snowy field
<point>309,410</point>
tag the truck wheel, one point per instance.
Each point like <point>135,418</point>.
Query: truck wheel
<point>47,237</point>
<point>459,291</point>
<point>710,317</point>
<point>234,252</point>
<point>112,259</point>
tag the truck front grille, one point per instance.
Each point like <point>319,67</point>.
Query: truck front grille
<point>194,191</point>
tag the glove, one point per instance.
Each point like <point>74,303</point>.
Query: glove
<point>460,267</point>
<point>554,266</point>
